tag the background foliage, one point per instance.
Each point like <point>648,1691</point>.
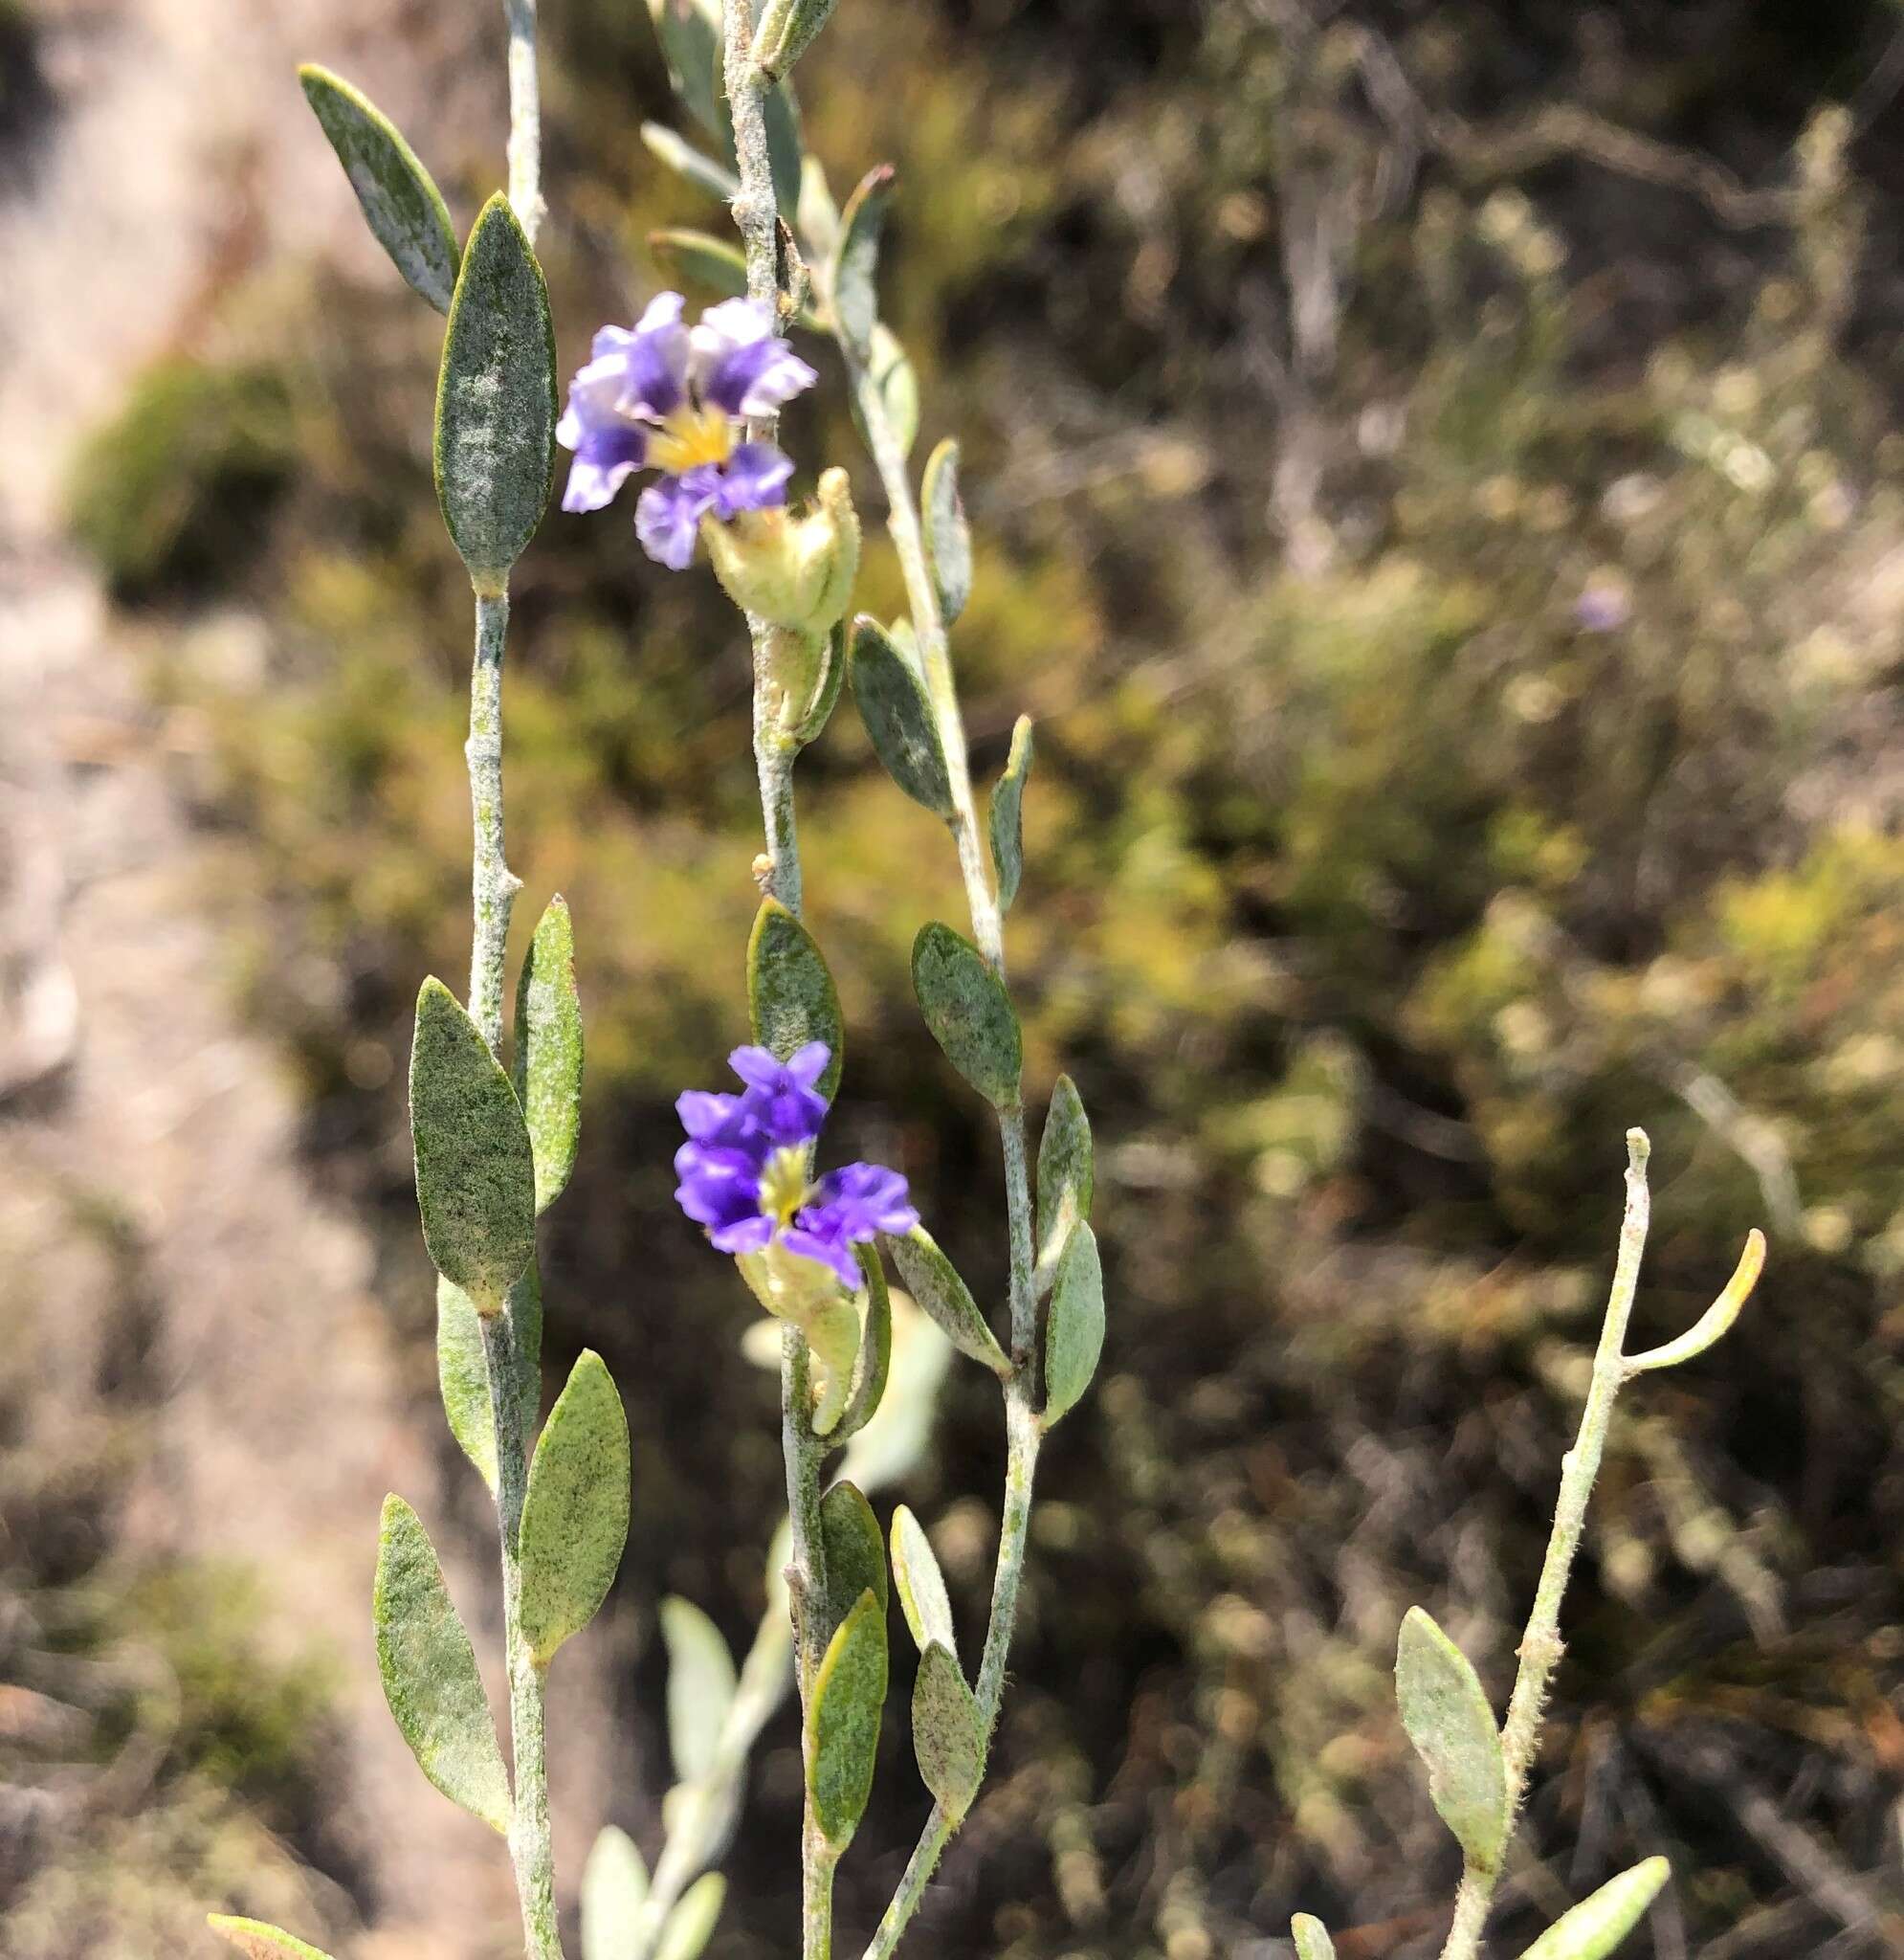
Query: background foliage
<point>1436,486</point>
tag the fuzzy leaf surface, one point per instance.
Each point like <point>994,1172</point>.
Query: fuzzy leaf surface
<point>429,1673</point>
<point>475,1172</point>
<point>575,1513</point>
<point>400,200</point>
<point>496,399</point>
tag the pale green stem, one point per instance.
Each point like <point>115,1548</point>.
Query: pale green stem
<point>530,1850</point>
<point>1022,1427</point>
<point>493,886</point>
<point>1540,1644</point>
<point>525,118</point>
<point>757,218</point>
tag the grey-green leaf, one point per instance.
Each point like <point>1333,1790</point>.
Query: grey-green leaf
<point>695,258</point>
<point>948,1735</point>
<point>614,1888</point>
<point>1065,1177</point>
<point>856,274</point>
<point>825,692</point>
<point>1312,1938</point>
<point>875,1360</point>
<point>401,202</point>
<point>1446,1714</point>
<point>688,162</point>
<point>691,1923</point>
<point>790,993</point>
<point>843,1724</point>
<point>1074,1326</point>
<point>948,538</point>
<point>475,1172</point>
<point>496,399</point>
<point>895,383</point>
<point>701,1686</point>
<point>970,1013</point>
<point>856,1551</point>
<point>548,1052</point>
<point>689,31</point>
<point>1600,1922</point>
<point>797,26</point>
<point>1006,815</point>
<point>933,1280</point>
<point>430,1671</point>
<point>923,1595</point>
<point>257,1940</point>
<point>575,1514</point>
<point>898,718</point>
<point>462,1370</point>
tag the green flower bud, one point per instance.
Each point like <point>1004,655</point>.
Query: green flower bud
<point>795,572</point>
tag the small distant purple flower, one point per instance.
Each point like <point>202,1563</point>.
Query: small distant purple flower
<point>745,1174</point>
<point>671,398</point>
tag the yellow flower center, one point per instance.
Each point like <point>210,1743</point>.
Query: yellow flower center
<point>784,1183</point>
<point>691,436</point>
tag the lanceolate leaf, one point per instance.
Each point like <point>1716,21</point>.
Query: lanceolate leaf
<point>1598,1924</point>
<point>1446,1714</point>
<point>1008,814</point>
<point>430,1671</point>
<point>948,1736</point>
<point>548,1052</point>
<point>790,993</point>
<point>496,399</point>
<point>401,202</point>
<point>855,274</point>
<point>476,1173</point>
<point>1312,1938</point>
<point>614,1888</point>
<point>923,1596</point>
<point>462,1369</point>
<point>856,1551</point>
<point>820,704</point>
<point>895,382</point>
<point>697,260</point>
<point>898,718</point>
<point>1075,1326</point>
<point>843,1726</point>
<point>796,24</point>
<point>875,1359</point>
<point>260,1942</point>
<point>1066,1177</point>
<point>575,1514</point>
<point>685,161</point>
<point>701,1686</point>
<point>690,34</point>
<point>948,538</point>
<point>970,1013</point>
<point>691,1923</point>
<point>934,1283</point>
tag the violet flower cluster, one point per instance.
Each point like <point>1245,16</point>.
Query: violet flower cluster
<point>673,398</point>
<point>746,1173</point>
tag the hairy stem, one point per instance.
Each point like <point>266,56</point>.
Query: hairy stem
<point>493,886</point>
<point>525,118</point>
<point>1022,1428</point>
<point>530,1849</point>
<point>1540,1644</point>
<point>773,763</point>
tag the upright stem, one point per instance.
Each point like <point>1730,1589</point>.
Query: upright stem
<point>525,118</point>
<point>493,886</point>
<point>1540,1644</point>
<point>1023,1433</point>
<point>773,763</point>
<point>530,1849</point>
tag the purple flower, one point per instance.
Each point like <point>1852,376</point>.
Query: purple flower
<point>746,1169</point>
<point>671,398</point>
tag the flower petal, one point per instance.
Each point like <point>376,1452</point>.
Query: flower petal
<point>755,377</point>
<point>605,458</point>
<point>668,515</point>
<point>865,1199</point>
<point>754,478</point>
<point>828,1247</point>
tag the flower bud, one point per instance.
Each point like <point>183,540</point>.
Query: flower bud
<point>795,572</point>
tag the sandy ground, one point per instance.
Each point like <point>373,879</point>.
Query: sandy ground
<point>178,158</point>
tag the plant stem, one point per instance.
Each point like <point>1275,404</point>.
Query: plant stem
<point>1540,1644</point>
<point>530,1850</point>
<point>757,217</point>
<point>493,884</point>
<point>1023,1433</point>
<point>525,118</point>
